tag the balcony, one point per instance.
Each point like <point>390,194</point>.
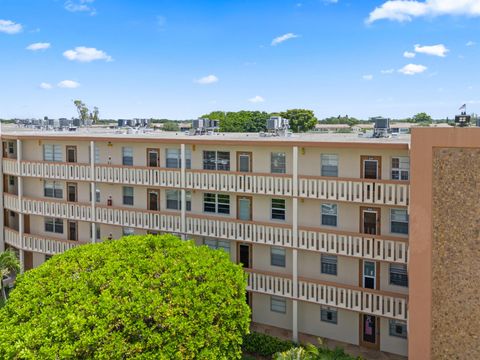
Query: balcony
<point>380,303</point>
<point>135,175</point>
<point>381,248</point>
<point>381,192</point>
<point>39,244</point>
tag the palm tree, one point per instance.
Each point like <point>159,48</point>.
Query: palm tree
<point>8,264</point>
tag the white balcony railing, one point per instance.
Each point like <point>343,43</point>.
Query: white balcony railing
<point>39,244</point>
<point>10,166</point>
<point>331,294</point>
<point>138,175</point>
<point>361,191</point>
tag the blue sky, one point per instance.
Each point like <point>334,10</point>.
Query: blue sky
<point>180,59</point>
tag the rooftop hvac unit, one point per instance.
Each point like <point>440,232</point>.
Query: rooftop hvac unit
<point>381,127</point>
<point>276,126</point>
<point>203,126</point>
<point>462,120</point>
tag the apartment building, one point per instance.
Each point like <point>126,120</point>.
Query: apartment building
<point>320,222</point>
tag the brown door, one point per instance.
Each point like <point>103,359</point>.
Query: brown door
<point>4,149</point>
<point>370,331</point>
<point>27,260</point>
<point>369,220</point>
<point>6,217</point>
<point>72,192</point>
<point>153,157</point>
<point>244,161</point>
<point>370,167</point>
<point>5,184</point>
<point>71,154</point>
<point>26,224</point>
<point>153,199</point>
<point>244,255</point>
<point>244,208</point>
<point>72,230</point>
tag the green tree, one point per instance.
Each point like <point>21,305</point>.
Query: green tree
<point>81,109</point>
<point>170,126</point>
<point>8,264</point>
<point>301,120</point>
<point>95,115</point>
<point>240,121</point>
<point>422,118</point>
<point>139,297</point>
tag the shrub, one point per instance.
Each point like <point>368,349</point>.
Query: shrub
<point>140,297</point>
<point>265,345</point>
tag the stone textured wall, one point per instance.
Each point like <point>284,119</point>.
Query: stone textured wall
<point>456,254</point>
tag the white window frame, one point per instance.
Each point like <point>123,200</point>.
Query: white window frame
<point>328,263</point>
<point>278,256</point>
<point>215,163</point>
<point>54,186</point>
<point>327,209</point>
<point>324,315</point>
<point>392,220</point>
<point>278,304</point>
<point>216,203</point>
<point>278,162</point>
<point>170,193</point>
<point>278,209</point>
<point>175,161</point>
<point>52,152</point>
<point>402,171</point>
<point>391,326</point>
<point>127,231</point>
<point>55,223</point>
<point>127,154</point>
<point>217,244</point>
<point>328,160</point>
<point>398,271</point>
<point>128,196</point>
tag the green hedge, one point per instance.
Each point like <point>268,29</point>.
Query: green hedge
<point>265,345</point>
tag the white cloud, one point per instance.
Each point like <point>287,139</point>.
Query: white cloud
<point>46,86</point>
<point>256,99</point>
<point>435,50</point>
<point>80,6</point>
<point>470,43</point>
<point>408,54</point>
<point>367,77</point>
<point>387,71</point>
<point>403,10</point>
<point>209,79</point>
<point>38,46</point>
<point>412,69</point>
<point>85,54</point>
<point>10,27</point>
<point>285,37</point>
<point>68,84</point>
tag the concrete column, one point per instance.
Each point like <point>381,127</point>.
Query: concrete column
<point>295,245</point>
<point>183,161</point>
<point>92,190</point>
<point>21,224</point>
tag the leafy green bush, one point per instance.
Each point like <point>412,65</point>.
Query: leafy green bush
<point>311,352</point>
<point>265,345</point>
<point>140,297</point>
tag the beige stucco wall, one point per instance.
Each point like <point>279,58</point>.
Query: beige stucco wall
<point>346,329</point>
<point>392,344</point>
<point>261,312</point>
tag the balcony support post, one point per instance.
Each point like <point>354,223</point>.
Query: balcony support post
<point>183,165</point>
<point>92,191</point>
<point>295,245</point>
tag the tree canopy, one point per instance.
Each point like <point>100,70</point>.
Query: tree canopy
<point>422,118</point>
<point>240,121</point>
<point>300,120</point>
<point>139,297</point>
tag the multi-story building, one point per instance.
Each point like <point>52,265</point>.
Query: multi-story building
<point>319,222</point>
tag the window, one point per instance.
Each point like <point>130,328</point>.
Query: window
<point>173,158</point>
<point>277,256</point>
<point>399,221</point>
<point>126,231</point>
<point>398,328</point>
<point>11,180</point>
<point>401,168</point>
<point>53,189</point>
<point>54,225</point>
<point>278,304</point>
<point>127,195</point>
<point>398,275</point>
<point>11,147</point>
<point>216,203</point>
<point>328,264</point>
<point>216,160</point>
<point>329,214</point>
<point>97,195</point>
<point>127,156</point>
<point>277,163</point>
<point>278,209</point>
<point>217,244</point>
<point>329,315</point>
<point>174,199</point>
<point>329,165</point>
<point>97,155</point>
<point>52,152</point>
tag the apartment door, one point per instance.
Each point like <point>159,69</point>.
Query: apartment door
<point>370,331</point>
<point>371,167</point>
<point>27,260</point>
<point>370,220</point>
<point>72,192</point>
<point>72,230</point>
<point>26,224</point>
<point>244,256</point>
<point>4,149</point>
<point>369,275</point>
<point>153,199</point>
<point>244,161</point>
<point>244,208</point>
<point>71,154</point>
<point>153,157</point>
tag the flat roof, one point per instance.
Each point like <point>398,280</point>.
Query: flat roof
<point>10,131</point>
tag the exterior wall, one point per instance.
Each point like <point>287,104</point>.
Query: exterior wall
<point>261,312</point>
<point>33,150</point>
<point>345,330</point>
<point>392,344</point>
<point>38,259</point>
